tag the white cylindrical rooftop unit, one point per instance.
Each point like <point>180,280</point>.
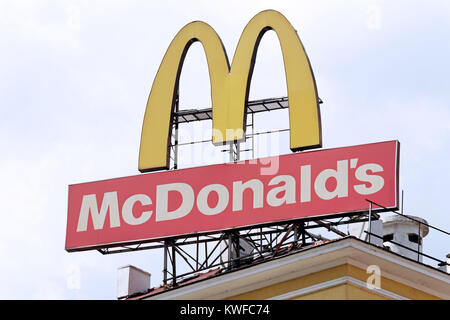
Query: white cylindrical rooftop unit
<point>407,234</point>
<point>360,229</point>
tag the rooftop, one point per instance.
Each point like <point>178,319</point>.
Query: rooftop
<point>219,283</point>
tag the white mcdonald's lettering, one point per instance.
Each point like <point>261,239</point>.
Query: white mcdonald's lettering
<point>287,190</point>
<point>162,201</point>
<point>281,190</point>
<point>341,176</point>
<point>89,205</point>
<point>111,205</point>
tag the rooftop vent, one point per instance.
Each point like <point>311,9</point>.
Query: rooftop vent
<point>132,280</point>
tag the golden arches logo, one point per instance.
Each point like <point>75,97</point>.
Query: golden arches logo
<point>230,88</point>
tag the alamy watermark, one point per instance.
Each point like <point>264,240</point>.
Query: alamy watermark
<point>73,277</point>
<point>373,282</point>
<point>196,147</point>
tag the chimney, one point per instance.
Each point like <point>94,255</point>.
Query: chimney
<point>131,280</point>
<point>406,232</point>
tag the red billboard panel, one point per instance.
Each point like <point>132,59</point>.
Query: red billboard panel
<point>199,200</point>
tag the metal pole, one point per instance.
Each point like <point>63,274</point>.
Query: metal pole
<point>402,203</point>
<point>296,234</point>
<point>418,243</point>
<point>165,263</point>
<point>303,234</point>
<point>237,244</point>
<point>231,152</point>
<point>206,254</point>
<point>174,269</point>
<point>253,137</point>
<point>175,149</point>
<point>370,219</point>
<point>230,244</point>
<point>260,239</point>
<point>197,254</point>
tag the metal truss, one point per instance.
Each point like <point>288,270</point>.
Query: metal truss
<point>194,115</point>
<point>186,257</point>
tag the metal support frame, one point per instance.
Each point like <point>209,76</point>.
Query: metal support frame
<point>186,256</point>
<point>370,219</point>
<point>234,150</point>
<point>174,137</point>
<point>224,250</point>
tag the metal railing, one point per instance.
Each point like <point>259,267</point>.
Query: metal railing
<point>421,224</point>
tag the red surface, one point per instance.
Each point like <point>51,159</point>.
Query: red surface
<point>382,153</point>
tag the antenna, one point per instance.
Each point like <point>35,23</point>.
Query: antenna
<point>401,210</point>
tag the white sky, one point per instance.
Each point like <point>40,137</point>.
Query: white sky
<point>74,81</point>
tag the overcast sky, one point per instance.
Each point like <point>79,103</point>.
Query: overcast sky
<point>74,81</point>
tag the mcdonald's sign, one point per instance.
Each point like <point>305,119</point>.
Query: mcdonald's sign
<point>230,88</point>
<point>210,199</point>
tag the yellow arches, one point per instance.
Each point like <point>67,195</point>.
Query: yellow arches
<point>230,87</point>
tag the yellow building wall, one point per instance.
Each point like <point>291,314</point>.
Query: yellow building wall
<point>294,284</point>
<point>358,293</point>
<point>392,286</point>
<point>341,292</point>
<point>344,291</point>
